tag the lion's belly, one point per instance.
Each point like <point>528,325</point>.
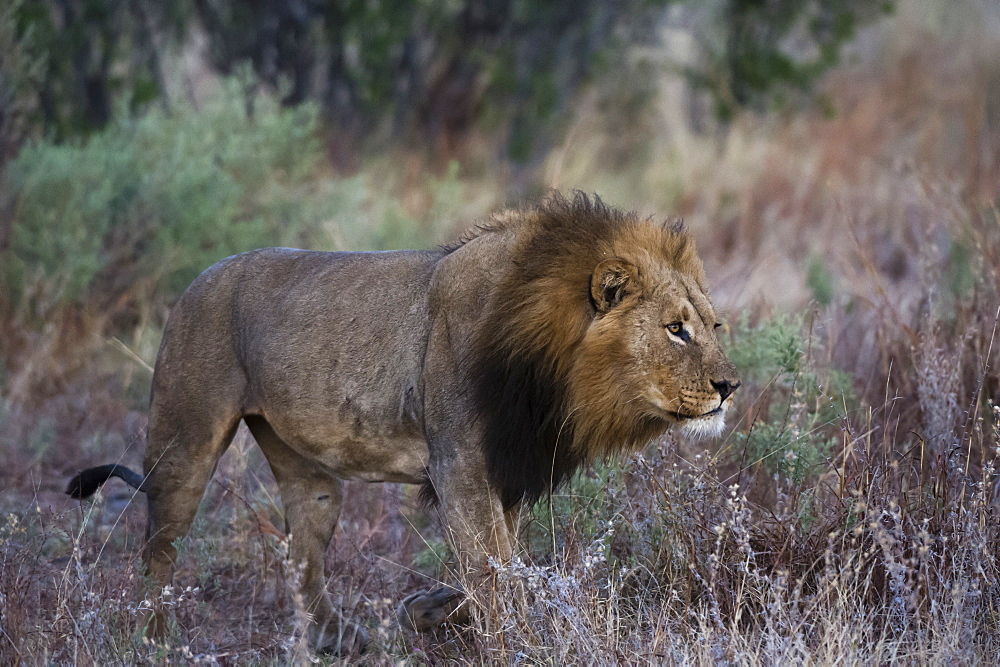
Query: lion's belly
<point>369,452</point>
<point>393,460</point>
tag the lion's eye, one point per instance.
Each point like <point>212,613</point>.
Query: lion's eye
<point>677,329</point>
<point>717,325</point>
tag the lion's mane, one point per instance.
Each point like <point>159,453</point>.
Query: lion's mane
<point>545,415</point>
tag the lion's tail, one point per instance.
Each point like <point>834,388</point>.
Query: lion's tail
<point>87,482</point>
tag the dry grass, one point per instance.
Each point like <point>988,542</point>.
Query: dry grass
<point>850,516</point>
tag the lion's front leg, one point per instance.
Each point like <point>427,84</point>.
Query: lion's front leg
<point>477,529</point>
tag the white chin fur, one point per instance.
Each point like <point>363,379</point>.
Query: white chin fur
<point>704,427</point>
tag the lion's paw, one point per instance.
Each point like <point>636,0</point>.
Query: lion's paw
<point>427,610</point>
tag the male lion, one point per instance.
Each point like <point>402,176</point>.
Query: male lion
<point>487,371</point>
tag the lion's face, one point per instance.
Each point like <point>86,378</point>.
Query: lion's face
<point>685,376</point>
<point>654,334</point>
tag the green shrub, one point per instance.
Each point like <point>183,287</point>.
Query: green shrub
<point>806,400</point>
<point>158,199</point>
<point>432,560</point>
<point>772,348</point>
<point>820,281</point>
<point>579,508</point>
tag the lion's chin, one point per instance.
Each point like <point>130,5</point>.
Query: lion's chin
<point>708,426</point>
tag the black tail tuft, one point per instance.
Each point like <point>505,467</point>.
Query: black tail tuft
<point>86,483</point>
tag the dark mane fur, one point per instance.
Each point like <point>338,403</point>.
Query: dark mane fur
<point>520,380</point>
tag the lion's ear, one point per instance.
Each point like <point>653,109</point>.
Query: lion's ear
<point>613,280</point>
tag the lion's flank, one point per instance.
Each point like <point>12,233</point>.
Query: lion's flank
<point>545,416</point>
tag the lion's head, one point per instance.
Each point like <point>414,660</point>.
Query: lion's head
<point>598,335</point>
<point>654,329</point>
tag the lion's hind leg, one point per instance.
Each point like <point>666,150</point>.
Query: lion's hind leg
<point>312,499</point>
<point>180,460</point>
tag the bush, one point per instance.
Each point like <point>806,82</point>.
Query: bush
<point>804,402</point>
<point>150,203</point>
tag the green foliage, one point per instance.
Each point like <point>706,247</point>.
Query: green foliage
<point>771,50</point>
<point>961,273</point>
<point>579,508</point>
<point>78,58</point>
<point>42,438</point>
<point>437,66</point>
<point>372,218</point>
<point>820,281</point>
<point>433,558</point>
<point>786,449</point>
<point>772,348</point>
<point>20,73</point>
<point>202,550</point>
<point>806,399</point>
<point>160,198</point>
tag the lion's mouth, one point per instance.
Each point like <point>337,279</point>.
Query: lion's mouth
<point>660,402</point>
<point>682,417</point>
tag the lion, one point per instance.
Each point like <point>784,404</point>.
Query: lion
<point>487,371</point>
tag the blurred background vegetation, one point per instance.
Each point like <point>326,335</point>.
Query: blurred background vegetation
<point>428,71</point>
<point>141,141</point>
<point>838,162</point>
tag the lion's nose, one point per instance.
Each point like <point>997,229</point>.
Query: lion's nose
<point>725,388</point>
